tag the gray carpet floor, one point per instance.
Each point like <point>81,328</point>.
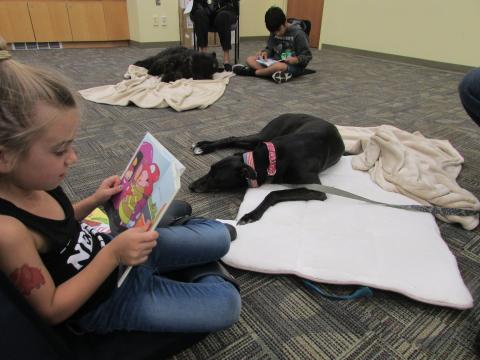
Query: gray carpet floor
<point>281,319</point>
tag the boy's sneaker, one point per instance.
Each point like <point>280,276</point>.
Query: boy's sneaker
<point>281,77</point>
<point>227,67</point>
<point>243,70</point>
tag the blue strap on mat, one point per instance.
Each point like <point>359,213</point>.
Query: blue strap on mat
<point>362,291</point>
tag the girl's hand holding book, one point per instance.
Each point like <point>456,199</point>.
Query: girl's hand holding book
<point>109,187</point>
<point>133,246</point>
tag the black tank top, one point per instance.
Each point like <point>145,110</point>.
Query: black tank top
<point>71,245</point>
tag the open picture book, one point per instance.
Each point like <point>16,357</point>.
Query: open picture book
<point>149,184</point>
<point>267,62</point>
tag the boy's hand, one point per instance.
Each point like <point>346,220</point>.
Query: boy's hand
<point>109,187</point>
<point>133,246</point>
<point>262,55</point>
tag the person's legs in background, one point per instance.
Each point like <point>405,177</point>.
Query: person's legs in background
<point>223,23</point>
<point>469,90</point>
<point>202,23</point>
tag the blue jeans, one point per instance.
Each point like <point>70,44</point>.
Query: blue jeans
<point>148,301</point>
<point>469,90</point>
<point>295,70</point>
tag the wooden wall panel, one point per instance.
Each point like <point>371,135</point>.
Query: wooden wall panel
<point>311,10</point>
<point>116,20</point>
<point>15,24</point>
<point>50,21</point>
<point>87,20</point>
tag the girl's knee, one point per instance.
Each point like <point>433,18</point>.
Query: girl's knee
<point>228,308</point>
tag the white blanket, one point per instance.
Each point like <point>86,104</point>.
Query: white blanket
<point>148,91</point>
<point>411,164</point>
<point>343,241</point>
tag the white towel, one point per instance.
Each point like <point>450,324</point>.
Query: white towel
<point>411,164</point>
<point>148,91</point>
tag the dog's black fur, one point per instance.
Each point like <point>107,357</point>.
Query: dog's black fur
<point>305,145</point>
<point>178,62</point>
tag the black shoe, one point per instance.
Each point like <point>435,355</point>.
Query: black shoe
<point>176,212</point>
<point>232,231</point>
<point>243,70</point>
<point>227,67</point>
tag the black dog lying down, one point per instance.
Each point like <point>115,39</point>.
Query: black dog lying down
<point>291,149</point>
<point>181,63</point>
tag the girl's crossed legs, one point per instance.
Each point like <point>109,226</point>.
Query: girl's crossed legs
<point>148,301</point>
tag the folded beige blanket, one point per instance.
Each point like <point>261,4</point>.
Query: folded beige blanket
<point>413,165</point>
<point>148,91</point>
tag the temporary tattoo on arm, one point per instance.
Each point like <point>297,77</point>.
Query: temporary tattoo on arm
<point>27,278</point>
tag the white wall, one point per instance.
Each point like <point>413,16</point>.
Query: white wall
<point>142,29</point>
<point>140,19</point>
<point>437,30</point>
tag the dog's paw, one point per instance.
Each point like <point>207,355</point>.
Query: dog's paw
<point>249,218</point>
<point>201,147</point>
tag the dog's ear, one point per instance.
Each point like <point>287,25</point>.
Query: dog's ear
<point>248,172</point>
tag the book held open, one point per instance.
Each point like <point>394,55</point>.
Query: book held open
<point>149,184</point>
<point>268,62</point>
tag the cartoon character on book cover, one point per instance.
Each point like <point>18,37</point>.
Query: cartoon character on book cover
<point>133,204</point>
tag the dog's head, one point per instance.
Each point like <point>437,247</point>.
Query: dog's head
<point>204,65</point>
<point>230,173</point>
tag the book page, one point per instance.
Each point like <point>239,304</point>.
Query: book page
<point>267,62</point>
<point>149,184</point>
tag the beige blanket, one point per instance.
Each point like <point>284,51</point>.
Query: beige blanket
<point>148,91</point>
<point>420,168</point>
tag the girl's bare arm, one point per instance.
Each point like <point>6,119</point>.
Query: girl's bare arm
<point>20,261</point>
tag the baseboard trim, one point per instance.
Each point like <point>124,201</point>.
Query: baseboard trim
<point>399,58</point>
<point>254,38</point>
<point>145,45</point>
<point>94,44</point>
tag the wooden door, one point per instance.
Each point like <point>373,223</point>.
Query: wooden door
<point>116,20</point>
<point>50,21</point>
<point>310,10</point>
<point>87,20</point>
<point>15,25</point>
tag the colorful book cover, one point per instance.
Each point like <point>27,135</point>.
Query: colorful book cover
<point>149,184</point>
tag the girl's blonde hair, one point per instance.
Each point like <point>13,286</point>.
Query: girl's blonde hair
<point>21,88</point>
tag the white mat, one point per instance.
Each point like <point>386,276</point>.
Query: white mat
<point>343,241</point>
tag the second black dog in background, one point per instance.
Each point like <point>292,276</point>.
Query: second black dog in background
<point>181,63</point>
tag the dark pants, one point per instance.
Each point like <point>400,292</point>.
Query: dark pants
<point>221,23</point>
<point>469,90</point>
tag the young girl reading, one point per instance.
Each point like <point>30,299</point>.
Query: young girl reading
<point>65,269</point>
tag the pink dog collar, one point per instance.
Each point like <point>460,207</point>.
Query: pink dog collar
<point>272,159</point>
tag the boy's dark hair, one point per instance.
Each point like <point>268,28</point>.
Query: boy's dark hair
<point>274,18</point>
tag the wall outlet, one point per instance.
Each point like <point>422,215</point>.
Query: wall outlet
<point>156,20</point>
<point>163,20</point>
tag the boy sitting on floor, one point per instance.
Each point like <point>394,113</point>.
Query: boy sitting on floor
<point>288,44</point>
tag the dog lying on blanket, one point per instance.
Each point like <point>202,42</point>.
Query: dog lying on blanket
<point>178,62</point>
<point>290,149</point>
